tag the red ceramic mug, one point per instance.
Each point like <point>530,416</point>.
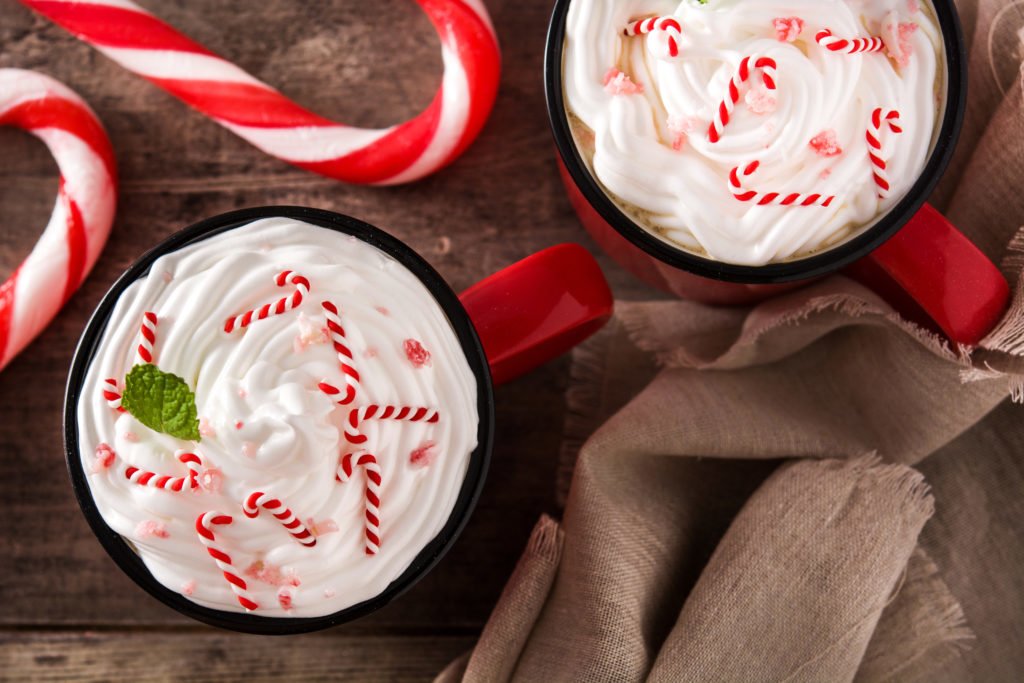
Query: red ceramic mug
<point>912,256</point>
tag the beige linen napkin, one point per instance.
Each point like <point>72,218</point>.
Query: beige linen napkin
<point>753,497</point>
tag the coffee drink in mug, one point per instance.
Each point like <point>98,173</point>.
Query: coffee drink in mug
<point>277,419</point>
<point>754,131</point>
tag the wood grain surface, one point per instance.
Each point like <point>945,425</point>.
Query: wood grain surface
<point>66,611</point>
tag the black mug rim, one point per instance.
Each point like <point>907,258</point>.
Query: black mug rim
<point>773,273</point>
<point>131,564</point>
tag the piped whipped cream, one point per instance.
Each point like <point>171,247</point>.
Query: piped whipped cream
<point>641,118</point>
<point>265,425</point>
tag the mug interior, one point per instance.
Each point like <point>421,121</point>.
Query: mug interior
<point>815,265</point>
<point>122,553</point>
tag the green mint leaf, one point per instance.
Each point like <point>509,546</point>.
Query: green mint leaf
<point>161,401</point>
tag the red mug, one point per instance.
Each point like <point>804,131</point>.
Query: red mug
<point>913,257</point>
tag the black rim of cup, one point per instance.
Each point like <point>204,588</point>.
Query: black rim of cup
<point>787,271</point>
<point>132,565</point>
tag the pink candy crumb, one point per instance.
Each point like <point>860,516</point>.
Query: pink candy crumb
<point>249,449</point>
<point>416,354</point>
<point>205,428</point>
<point>825,174</point>
<point>897,38</point>
<point>239,424</point>
<point>327,526</point>
<point>151,528</point>
<point>131,437</point>
<point>760,101</point>
<point>680,128</point>
<point>787,29</point>
<point>309,334</point>
<point>913,6</point>
<point>826,144</point>
<point>618,83</point>
<point>104,457</point>
<point>189,587</point>
<point>329,593</point>
<point>424,455</point>
<point>382,310</point>
<point>211,480</point>
<point>268,573</point>
<point>370,352</point>
<point>284,598</point>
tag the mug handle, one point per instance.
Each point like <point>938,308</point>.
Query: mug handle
<point>538,308</point>
<point>932,274</point>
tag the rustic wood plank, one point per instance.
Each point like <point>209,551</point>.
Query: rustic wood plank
<point>209,656</point>
<point>501,201</point>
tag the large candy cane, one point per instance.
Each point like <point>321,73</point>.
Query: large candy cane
<point>204,527</point>
<point>767,67</point>
<point>282,513</point>
<point>371,494</point>
<point>744,194</point>
<point>145,45</point>
<point>881,119</point>
<point>81,219</point>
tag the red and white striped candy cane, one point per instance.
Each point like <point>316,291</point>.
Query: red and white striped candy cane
<point>204,527</point>
<point>345,360</point>
<point>81,219</point>
<point>166,481</point>
<point>766,66</point>
<point>850,46</point>
<point>371,494</point>
<point>357,416</point>
<point>112,394</point>
<point>282,513</point>
<point>147,337</point>
<point>145,45</point>
<point>881,119</point>
<point>764,198</point>
<point>667,27</point>
<point>282,305</point>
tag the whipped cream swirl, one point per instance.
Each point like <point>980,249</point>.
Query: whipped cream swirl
<point>650,149</point>
<point>266,426</point>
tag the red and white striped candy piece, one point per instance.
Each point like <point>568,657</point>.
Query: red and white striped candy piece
<point>372,494</point>
<point>666,30</point>
<point>112,394</point>
<point>147,337</point>
<point>145,45</point>
<point>282,513</point>
<point>81,219</point>
<point>166,481</point>
<point>357,416</point>
<point>766,66</point>
<point>880,120</point>
<point>204,528</point>
<point>337,335</point>
<point>765,198</point>
<point>849,46</point>
<point>282,305</point>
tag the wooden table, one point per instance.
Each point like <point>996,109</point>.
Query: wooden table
<point>66,611</point>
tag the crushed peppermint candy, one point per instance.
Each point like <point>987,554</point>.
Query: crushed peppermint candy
<point>787,29</point>
<point>150,528</point>
<point>680,128</point>
<point>284,597</point>
<point>383,310</point>
<point>205,428</point>
<point>424,455</point>
<point>104,457</point>
<point>826,144</point>
<point>760,101</point>
<point>270,574</point>
<point>897,37</point>
<point>131,437</point>
<point>189,587</point>
<point>416,354</point>
<point>618,83</point>
<point>327,526</point>
<point>211,480</point>
<point>329,593</point>
<point>309,334</point>
<point>249,449</point>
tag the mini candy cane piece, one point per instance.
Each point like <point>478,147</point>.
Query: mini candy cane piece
<point>112,394</point>
<point>766,66</point>
<point>281,512</point>
<point>166,481</point>
<point>204,527</point>
<point>765,198</point>
<point>145,45</point>
<point>282,305</point>
<point>356,416</point>
<point>668,28</point>
<point>881,119</point>
<point>336,334</point>
<point>849,46</point>
<point>147,337</point>
<point>372,494</point>
<point>80,223</point>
